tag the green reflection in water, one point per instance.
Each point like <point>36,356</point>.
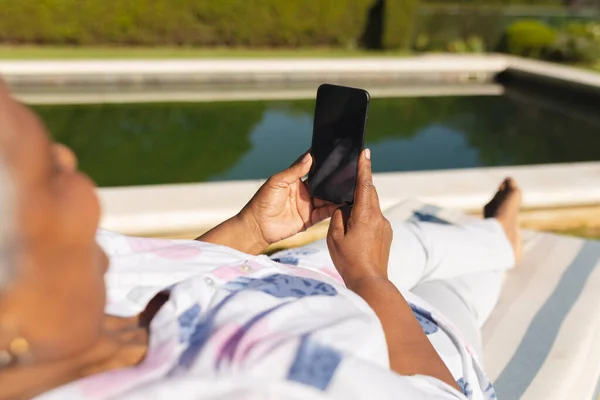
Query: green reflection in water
<point>154,143</point>
<point>135,144</point>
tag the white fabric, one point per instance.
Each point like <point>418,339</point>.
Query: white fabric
<point>458,269</point>
<point>239,326</point>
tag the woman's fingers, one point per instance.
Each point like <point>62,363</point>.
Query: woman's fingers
<point>322,213</point>
<point>336,225</point>
<point>322,210</point>
<point>339,221</point>
<point>365,194</point>
<point>318,203</point>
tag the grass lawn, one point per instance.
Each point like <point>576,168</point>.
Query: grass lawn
<point>49,53</point>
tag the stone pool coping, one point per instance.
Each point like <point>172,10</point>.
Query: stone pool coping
<point>62,72</point>
<point>122,81</point>
<point>167,209</point>
<point>467,67</point>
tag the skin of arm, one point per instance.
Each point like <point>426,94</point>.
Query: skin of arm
<point>409,350</point>
<point>238,233</point>
<point>359,241</point>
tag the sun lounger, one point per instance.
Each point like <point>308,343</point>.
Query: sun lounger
<point>543,339</point>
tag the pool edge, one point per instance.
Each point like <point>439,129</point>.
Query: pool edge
<point>156,209</point>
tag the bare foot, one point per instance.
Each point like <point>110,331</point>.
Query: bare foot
<point>505,208</point>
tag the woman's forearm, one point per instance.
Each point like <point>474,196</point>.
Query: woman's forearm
<point>238,234</point>
<point>409,349</point>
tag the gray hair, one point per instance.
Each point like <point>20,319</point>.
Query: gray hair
<point>6,226</point>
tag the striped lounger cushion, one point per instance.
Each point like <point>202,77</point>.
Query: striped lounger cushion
<point>543,339</point>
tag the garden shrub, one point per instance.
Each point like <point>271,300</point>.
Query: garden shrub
<point>470,44</point>
<point>529,38</point>
<point>573,42</point>
<point>577,43</point>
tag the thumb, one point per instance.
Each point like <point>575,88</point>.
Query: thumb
<point>365,194</point>
<point>297,170</point>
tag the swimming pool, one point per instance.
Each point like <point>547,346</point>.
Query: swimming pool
<point>149,143</point>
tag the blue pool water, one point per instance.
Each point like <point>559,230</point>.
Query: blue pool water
<point>133,144</point>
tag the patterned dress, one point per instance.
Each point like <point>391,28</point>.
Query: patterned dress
<point>240,326</point>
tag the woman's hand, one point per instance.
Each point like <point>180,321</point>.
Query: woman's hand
<point>283,207</point>
<point>359,238</point>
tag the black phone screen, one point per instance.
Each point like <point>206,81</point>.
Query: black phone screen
<point>338,139</point>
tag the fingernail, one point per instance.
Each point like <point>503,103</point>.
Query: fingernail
<point>368,154</point>
<point>306,158</point>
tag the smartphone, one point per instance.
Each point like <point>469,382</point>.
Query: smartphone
<point>338,139</point>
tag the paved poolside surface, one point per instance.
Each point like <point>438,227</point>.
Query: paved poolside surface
<point>167,209</point>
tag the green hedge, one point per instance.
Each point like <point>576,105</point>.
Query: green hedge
<point>273,23</point>
<point>399,22</point>
<point>497,2</point>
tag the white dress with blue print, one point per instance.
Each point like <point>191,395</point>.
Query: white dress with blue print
<point>238,326</point>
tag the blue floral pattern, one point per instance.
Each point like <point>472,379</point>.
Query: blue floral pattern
<point>290,257</point>
<point>465,387</point>
<point>490,392</point>
<point>200,333</point>
<point>281,286</point>
<point>187,322</point>
<point>290,260</point>
<point>315,364</point>
<point>423,217</point>
<point>424,317</point>
<point>197,328</point>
